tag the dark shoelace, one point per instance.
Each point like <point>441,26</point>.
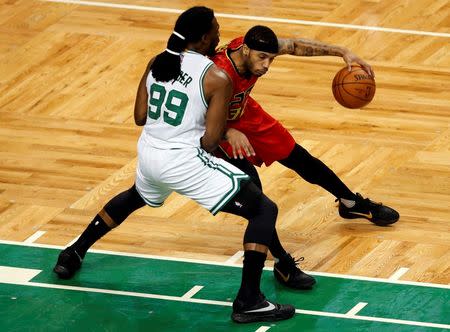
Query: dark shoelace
<point>292,262</point>
<point>363,200</point>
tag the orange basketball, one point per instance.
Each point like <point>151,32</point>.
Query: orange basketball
<point>353,89</point>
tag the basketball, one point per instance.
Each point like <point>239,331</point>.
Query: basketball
<point>353,89</point>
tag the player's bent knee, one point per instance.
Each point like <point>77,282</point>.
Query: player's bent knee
<point>261,223</point>
<point>246,202</point>
<point>123,204</point>
<point>258,209</point>
<point>269,208</point>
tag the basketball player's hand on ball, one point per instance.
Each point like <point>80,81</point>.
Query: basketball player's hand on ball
<point>240,143</point>
<point>349,58</point>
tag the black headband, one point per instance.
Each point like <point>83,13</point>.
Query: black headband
<point>262,45</point>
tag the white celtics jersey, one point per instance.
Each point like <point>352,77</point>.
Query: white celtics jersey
<point>177,109</point>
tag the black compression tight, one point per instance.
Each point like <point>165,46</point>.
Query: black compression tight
<point>247,167</point>
<point>261,213</point>
<point>315,171</point>
<point>275,247</point>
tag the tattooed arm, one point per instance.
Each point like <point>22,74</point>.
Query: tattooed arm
<point>306,47</point>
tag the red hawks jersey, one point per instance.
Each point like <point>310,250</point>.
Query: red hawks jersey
<point>241,85</point>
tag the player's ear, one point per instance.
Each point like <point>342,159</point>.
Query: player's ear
<point>205,39</point>
<point>245,50</point>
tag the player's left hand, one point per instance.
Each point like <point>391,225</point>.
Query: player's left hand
<point>240,143</point>
<point>349,58</point>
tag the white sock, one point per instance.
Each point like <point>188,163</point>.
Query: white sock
<point>347,202</point>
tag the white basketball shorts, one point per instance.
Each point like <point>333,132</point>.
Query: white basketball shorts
<point>192,172</point>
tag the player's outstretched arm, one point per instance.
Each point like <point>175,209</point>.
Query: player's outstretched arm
<point>218,89</point>
<point>307,47</point>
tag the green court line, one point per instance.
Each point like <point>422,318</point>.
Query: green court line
<point>146,277</point>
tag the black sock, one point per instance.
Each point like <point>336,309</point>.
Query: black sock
<point>95,230</point>
<point>276,249</point>
<point>251,277</point>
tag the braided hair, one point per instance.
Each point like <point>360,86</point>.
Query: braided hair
<point>191,25</point>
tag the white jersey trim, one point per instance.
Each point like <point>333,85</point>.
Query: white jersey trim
<point>202,77</point>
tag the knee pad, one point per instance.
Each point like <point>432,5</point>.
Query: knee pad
<point>122,205</point>
<point>261,225</point>
<point>246,202</point>
<point>258,209</point>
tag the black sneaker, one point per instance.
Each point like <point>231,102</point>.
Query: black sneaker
<point>263,311</point>
<point>68,263</point>
<point>377,213</point>
<point>286,271</point>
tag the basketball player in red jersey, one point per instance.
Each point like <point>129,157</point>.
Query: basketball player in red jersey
<point>254,133</point>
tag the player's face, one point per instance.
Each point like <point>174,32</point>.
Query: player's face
<point>258,62</point>
<point>213,37</point>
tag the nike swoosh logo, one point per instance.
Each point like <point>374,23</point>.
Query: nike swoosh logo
<point>79,257</point>
<point>367,215</point>
<point>270,307</point>
<point>285,278</point>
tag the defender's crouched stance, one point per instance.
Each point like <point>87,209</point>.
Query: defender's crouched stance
<point>182,100</point>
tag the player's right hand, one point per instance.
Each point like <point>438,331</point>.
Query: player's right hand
<point>239,143</point>
<point>349,58</point>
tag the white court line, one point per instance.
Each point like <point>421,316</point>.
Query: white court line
<point>233,259</point>
<point>357,308</point>
<point>255,18</point>
<point>125,293</point>
<point>194,290</point>
<point>397,275</point>
<point>372,319</point>
<point>263,329</point>
<point>211,302</point>
<point>199,261</point>
<point>13,275</point>
<point>34,237</point>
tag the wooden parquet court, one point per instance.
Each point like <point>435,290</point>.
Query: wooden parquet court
<point>69,75</point>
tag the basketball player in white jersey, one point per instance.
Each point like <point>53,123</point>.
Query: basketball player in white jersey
<point>182,102</point>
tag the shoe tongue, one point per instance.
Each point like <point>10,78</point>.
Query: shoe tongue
<point>288,262</point>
